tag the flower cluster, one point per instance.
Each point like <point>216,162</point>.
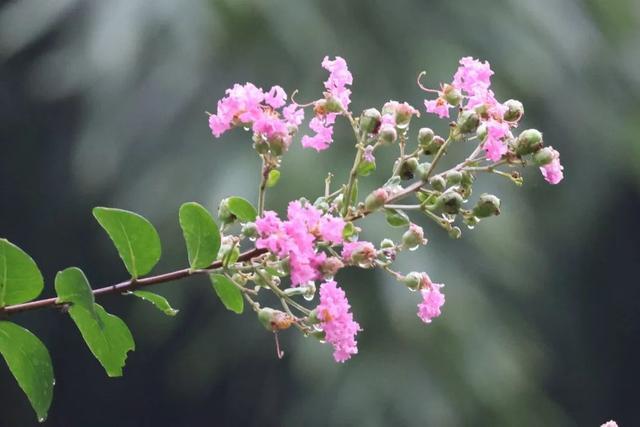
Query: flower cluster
<point>249,106</point>
<point>337,321</point>
<point>317,240</point>
<point>480,110</point>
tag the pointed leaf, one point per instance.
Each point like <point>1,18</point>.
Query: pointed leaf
<point>201,234</point>
<point>242,209</point>
<point>159,301</point>
<point>30,364</point>
<point>228,293</point>
<point>396,218</point>
<point>107,336</point>
<point>134,236</point>
<point>20,278</point>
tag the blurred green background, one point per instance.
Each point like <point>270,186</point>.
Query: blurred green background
<point>102,103</point>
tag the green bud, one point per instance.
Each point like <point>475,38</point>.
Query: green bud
<point>338,201</point>
<point>488,205</point>
<point>277,146</point>
<point>333,105</point>
<point>225,215</point>
<point>515,110</point>
<point>376,199</point>
<point>450,202</point>
<point>387,244</point>
<point>468,121</point>
<point>438,183</point>
<point>408,167</point>
<point>412,280</point>
<point>454,178</point>
<point>481,132</point>
<point>274,320</point>
<point>433,146</point>
<point>260,145</point>
<point>467,179</point>
<point>452,95</point>
<point>413,237</point>
<point>455,233</point>
<point>239,279</point>
<point>425,136</point>
<point>543,156</point>
<point>422,170</point>
<point>388,134</point>
<point>529,141</point>
<point>370,120</point>
<point>249,230</point>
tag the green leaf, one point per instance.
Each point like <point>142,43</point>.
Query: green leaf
<point>134,236</point>
<point>159,301</point>
<point>396,218</point>
<point>107,336</point>
<point>228,293</point>
<point>354,192</point>
<point>273,178</point>
<point>20,279</point>
<point>30,364</point>
<point>242,209</point>
<point>201,234</point>
<point>365,168</point>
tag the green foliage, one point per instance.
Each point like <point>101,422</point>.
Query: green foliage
<point>201,234</point>
<point>158,301</point>
<point>135,238</point>
<point>396,218</point>
<point>107,336</point>
<point>366,168</point>
<point>242,209</point>
<point>273,178</point>
<point>30,363</point>
<point>20,278</point>
<point>228,292</point>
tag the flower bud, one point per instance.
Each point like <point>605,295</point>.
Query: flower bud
<point>412,280</point>
<point>388,134</point>
<point>249,230</point>
<point>387,244</point>
<point>438,183</point>
<point>544,156</point>
<point>454,178</point>
<point>408,167</point>
<point>376,199</point>
<point>425,136</point>
<point>455,233</point>
<point>468,121</point>
<point>487,205</point>
<point>274,320</point>
<point>404,112</point>
<point>413,237</point>
<point>331,266</point>
<point>278,146</point>
<point>333,105</point>
<point>370,120</point>
<point>481,132</point>
<point>433,146</point>
<point>515,110</point>
<point>260,145</point>
<point>449,201</point>
<point>529,141</point>
<point>225,215</point>
<point>451,95</point>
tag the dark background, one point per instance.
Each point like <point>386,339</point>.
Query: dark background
<point>102,103</point>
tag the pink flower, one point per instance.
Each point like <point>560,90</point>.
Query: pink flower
<point>552,172</point>
<point>293,115</point>
<point>323,126</point>
<point>495,145</point>
<point>432,301</point>
<point>339,78</point>
<point>610,424</point>
<point>472,75</point>
<point>486,99</point>
<point>360,253</point>
<point>368,154</point>
<point>337,321</point>
<point>331,229</point>
<point>276,97</point>
<point>438,106</point>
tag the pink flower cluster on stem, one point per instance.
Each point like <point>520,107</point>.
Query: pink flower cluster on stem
<point>337,321</point>
<point>432,299</point>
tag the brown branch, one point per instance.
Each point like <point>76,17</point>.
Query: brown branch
<point>128,285</point>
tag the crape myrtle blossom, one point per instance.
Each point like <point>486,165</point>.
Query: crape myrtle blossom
<point>325,111</point>
<point>552,172</point>
<point>337,321</point>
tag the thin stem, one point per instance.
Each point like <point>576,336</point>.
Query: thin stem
<point>263,186</point>
<point>404,207</point>
<point>346,201</point>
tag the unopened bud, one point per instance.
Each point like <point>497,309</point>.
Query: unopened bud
<point>387,244</point>
<point>333,105</point>
<point>249,230</point>
<point>422,171</point>
<point>388,134</point>
<point>412,280</point>
<point>408,167</point>
<point>468,121</point>
<point>433,146</point>
<point>529,141</point>
<point>225,215</point>
<point>370,120</point>
<point>413,237</point>
<point>488,205</point>
<point>544,156</point>
<point>376,199</point>
<point>481,132</point>
<point>454,178</point>
<point>452,95</point>
<point>438,183</point>
<point>515,110</point>
<point>331,266</point>
<point>404,112</point>
<point>274,320</point>
<point>278,146</point>
<point>425,136</point>
<point>450,202</point>
<point>455,233</point>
